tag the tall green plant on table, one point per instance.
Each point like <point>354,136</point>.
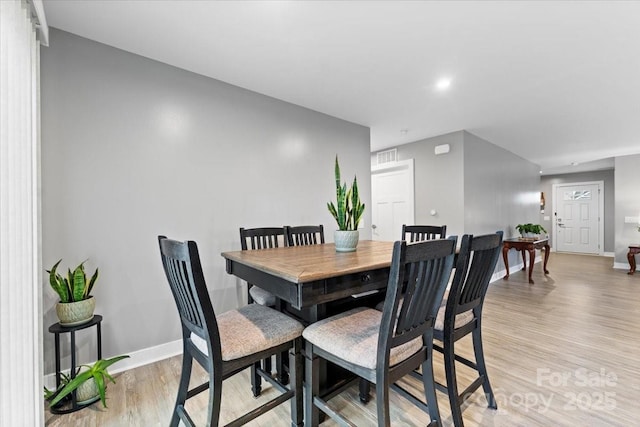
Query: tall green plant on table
<point>347,211</point>
<point>98,372</point>
<point>76,303</point>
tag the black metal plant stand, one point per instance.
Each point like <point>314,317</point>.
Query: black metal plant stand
<point>58,329</point>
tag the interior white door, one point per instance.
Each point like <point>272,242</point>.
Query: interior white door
<point>577,218</point>
<point>392,199</point>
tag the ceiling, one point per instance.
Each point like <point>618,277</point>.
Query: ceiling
<point>553,82</point>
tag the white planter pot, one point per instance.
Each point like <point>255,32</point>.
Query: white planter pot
<point>346,241</point>
<point>75,313</point>
<point>87,392</point>
<point>530,236</point>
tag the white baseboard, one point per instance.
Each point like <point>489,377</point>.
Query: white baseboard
<point>173,348</point>
<point>136,359</point>
<point>609,254</point>
<point>517,267</point>
<point>621,265</point>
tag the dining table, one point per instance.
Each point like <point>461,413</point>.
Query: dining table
<point>315,281</point>
<point>310,277</point>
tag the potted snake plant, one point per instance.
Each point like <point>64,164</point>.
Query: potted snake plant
<point>76,303</point>
<point>347,211</point>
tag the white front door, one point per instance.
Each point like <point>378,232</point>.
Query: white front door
<point>577,217</point>
<point>392,199</point>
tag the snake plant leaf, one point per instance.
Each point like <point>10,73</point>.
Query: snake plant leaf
<point>337,175</point>
<point>79,282</point>
<point>69,282</point>
<point>91,283</point>
<point>332,210</point>
<point>57,283</point>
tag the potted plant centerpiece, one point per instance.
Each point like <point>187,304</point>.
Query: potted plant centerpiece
<point>347,212</point>
<point>76,303</point>
<point>530,231</point>
<point>89,383</point>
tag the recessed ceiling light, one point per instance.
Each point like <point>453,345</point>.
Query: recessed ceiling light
<point>443,84</point>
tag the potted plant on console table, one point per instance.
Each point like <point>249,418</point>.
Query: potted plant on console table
<point>347,212</point>
<point>530,231</point>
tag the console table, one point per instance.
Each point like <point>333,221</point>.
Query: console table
<point>58,329</point>
<point>528,245</point>
<point>633,250</point>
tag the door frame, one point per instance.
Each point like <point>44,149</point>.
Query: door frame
<point>394,166</point>
<point>600,185</point>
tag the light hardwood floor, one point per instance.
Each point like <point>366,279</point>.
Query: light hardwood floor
<point>562,352</point>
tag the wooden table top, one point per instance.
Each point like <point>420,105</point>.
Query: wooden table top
<point>301,264</point>
<point>526,240</point>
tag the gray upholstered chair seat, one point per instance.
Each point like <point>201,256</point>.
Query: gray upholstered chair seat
<point>353,337</point>
<point>461,318</point>
<point>251,329</point>
<point>262,297</point>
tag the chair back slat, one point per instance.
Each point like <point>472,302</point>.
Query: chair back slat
<point>183,270</point>
<point>420,233</point>
<point>425,268</point>
<point>304,235</point>
<point>186,300</point>
<point>476,262</point>
<point>261,238</point>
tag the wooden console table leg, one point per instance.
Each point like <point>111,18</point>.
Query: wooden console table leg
<point>631,257</point>
<point>547,249</point>
<point>524,260</point>
<point>505,258</point>
<point>532,260</point>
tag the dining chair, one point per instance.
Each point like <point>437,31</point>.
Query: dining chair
<point>304,235</point>
<point>460,314</point>
<point>418,233</point>
<point>410,233</point>
<point>383,347</point>
<point>227,344</point>
<point>262,238</point>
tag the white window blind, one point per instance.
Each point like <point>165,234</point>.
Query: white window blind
<point>21,401</point>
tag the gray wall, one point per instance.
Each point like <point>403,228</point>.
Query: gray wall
<point>439,180</point>
<point>627,203</point>
<point>133,148</point>
<point>546,186</point>
<point>500,188</point>
<point>476,188</point>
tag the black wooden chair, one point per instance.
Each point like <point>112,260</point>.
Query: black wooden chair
<point>419,233</point>
<point>227,344</point>
<point>461,315</point>
<point>262,238</point>
<point>304,235</point>
<point>382,347</point>
<point>410,233</point>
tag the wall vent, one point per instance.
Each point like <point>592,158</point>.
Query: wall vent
<point>388,156</point>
